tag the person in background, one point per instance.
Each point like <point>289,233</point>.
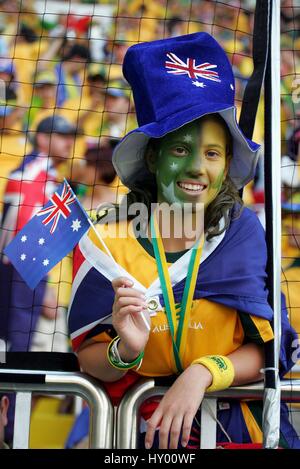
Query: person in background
<point>4,404</point>
<point>290,278</point>
<point>86,110</point>
<point>27,190</point>
<point>13,142</point>
<point>290,168</point>
<point>97,176</point>
<point>118,117</point>
<point>43,102</point>
<point>8,76</point>
<point>70,73</point>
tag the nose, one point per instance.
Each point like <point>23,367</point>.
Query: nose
<point>195,166</point>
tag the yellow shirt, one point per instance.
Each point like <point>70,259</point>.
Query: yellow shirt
<point>213,328</point>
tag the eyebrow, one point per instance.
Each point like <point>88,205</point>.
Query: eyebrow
<point>214,145</point>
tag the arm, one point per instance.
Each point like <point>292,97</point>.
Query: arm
<point>50,53</point>
<point>179,405</point>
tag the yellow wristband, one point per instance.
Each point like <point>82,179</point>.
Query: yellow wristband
<point>221,369</point>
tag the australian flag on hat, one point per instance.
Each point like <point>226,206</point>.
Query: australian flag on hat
<point>49,236</point>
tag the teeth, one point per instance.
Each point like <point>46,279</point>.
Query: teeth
<point>191,187</point>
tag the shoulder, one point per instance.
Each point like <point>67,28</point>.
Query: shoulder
<point>30,162</point>
<point>245,220</point>
<point>246,232</point>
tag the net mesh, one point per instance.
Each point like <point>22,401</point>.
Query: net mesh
<point>65,59</point>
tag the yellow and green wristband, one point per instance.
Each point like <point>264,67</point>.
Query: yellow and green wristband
<point>221,368</point>
<point>116,361</point>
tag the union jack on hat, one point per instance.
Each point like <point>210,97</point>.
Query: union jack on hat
<point>176,81</point>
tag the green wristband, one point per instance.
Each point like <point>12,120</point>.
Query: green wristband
<point>115,360</point>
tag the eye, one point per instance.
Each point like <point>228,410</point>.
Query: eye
<point>179,151</point>
<point>212,154</point>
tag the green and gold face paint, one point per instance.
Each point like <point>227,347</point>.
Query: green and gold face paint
<point>190,164</point>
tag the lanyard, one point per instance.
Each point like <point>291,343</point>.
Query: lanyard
<point>178,330</point>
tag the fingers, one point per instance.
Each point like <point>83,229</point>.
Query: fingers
<point>120,292</point>
<point>169,431</point>
<point>186,429</point>
<point>164,432</point>
<point>152,425</point>
<point>129,310</point>
<point>123,301</point>
<point>120,282</point>
<point>175,432</point>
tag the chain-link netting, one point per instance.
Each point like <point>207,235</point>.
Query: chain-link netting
<point>65,105</point>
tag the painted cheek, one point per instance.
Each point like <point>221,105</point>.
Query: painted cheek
<point>217,184</point>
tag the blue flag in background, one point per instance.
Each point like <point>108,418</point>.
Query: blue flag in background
<point>49,236</point>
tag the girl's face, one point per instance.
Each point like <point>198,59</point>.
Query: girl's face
<point>191,163</point>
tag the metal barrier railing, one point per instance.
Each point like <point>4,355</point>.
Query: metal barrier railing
<point>24,383</point>
<point>128,410</point>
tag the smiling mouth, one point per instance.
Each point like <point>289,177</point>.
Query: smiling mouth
<point>191,188</point>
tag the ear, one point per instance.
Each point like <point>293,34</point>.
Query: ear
<point>150,157</point>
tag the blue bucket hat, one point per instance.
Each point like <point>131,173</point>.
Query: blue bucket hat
<point>175,81</point>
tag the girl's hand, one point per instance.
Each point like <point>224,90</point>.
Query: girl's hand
<point>126,318</point>
<point>178,408</point>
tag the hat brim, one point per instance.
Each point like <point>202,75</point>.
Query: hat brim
<point>129,161</point>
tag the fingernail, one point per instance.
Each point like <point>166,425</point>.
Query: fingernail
<point>184,443</point>
<point>147,445</point>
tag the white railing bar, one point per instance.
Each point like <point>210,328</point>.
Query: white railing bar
<point>101,409</point>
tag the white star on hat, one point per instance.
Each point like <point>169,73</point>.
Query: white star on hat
<point>24,238</point>
<point>41,241</point>
<point>46,262</point>
<point>23,257</point>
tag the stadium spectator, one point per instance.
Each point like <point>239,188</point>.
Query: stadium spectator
<point>184,152</point>
<point>8,75</point>
<point>86,110</point>
<point>4,403</point>
<point>43,102</point>
<point>291,260</point>
<point>115,51</point>
<point>290,169</point>
<point>117,118</point>
<point>28,188</point>
<point>97,176</point>
<point>70,72</point>
<point>13,144</point>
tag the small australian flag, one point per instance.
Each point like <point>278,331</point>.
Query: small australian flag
<point>49,236</point>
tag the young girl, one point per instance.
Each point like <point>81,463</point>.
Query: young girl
<point>191,306</point>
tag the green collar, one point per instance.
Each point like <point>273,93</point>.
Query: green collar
<point>171,257</point>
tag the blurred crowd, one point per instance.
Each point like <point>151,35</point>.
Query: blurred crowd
<point>63,100</point>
